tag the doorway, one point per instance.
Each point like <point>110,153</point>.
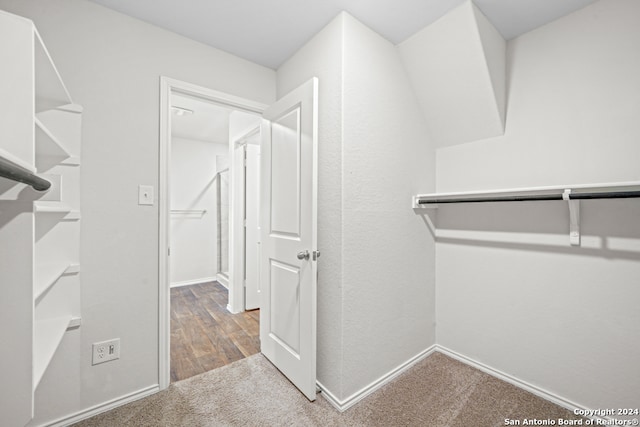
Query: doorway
<point>288,236</point>
<point>199,192</point>
<point>201,305</point>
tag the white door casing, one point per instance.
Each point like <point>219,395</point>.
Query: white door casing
<point>243,204</point>
<point>167,87</point>
<point>252,226</point>
<point>289,182</point>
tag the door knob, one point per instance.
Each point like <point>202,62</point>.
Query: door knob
<point>303,255</point>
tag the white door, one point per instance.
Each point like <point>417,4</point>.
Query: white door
<point>289,236</point>
<point>252,226</point>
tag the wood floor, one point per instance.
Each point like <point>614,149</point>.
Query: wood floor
<point>204,335</point>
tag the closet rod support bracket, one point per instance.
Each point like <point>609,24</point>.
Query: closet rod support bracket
<point>415,204</point>
<point>574,218</point>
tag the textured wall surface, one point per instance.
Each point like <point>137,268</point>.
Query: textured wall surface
<point>112,65</point>
<point>374,152</point>
<point>456,66</point>
<point>322,57</point>
<point>389,278</point>
<point>511,292</point>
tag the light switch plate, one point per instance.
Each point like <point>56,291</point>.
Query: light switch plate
<point>145,195</point>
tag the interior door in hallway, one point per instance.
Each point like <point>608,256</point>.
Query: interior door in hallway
<point>289,236</point>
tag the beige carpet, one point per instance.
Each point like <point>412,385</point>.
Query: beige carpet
<point>438,391</point>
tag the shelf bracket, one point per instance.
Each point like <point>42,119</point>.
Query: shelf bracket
<point>415,204</point>
<point>574,218</point>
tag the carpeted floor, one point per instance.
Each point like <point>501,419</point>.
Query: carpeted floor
<point>438,391</point>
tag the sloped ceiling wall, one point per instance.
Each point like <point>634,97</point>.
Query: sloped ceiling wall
<point>457,66</point>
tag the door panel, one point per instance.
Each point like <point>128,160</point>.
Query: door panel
<point>285,306</point>
<point>289,236</point>
<point>285,160</point>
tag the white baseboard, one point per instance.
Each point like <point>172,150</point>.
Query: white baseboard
<point>223,280</point>
<point>540,392</point>
<point>103,407</point>
<point>230,310</point>
<point>192,282</point>
<point>344,404</point>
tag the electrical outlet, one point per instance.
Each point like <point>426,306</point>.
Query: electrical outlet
<point>105,351</point>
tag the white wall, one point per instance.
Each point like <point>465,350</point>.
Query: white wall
<point>375,303</point>
<point>525,302</point>
<point>388,250</point>
<point>111,65</point>
<point>322,57</point>
<point>194,237</point>
<point>511,292</point>
<point>457,69</point>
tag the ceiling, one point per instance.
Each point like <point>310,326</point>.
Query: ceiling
<point>268,32</point>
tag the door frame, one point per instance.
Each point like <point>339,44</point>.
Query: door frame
<point>238,231</point>
<point>167,87</point>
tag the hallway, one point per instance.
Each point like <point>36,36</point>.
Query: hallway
<point>204,335</point>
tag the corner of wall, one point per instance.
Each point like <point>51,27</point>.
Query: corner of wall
<point>388,297</point>
<point>494,47</point>
<point>322,57</point>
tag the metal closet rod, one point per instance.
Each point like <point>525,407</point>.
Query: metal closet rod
<point>18,173</point>
<point>535,197</point>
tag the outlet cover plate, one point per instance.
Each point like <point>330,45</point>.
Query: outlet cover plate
<point>105,351</point>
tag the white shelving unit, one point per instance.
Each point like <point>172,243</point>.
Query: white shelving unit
<point>47,337</point>
<point>571,194</point>
<point>16,161</point>
<point>56,208</point>
<point>39,231</point>
<point>50,275</point>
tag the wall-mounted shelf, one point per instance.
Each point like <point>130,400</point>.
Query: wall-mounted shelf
<point>572,194</point>
<point>47,144</point>
<point>603,190</point>
<point>50,207</point>
<point>48,335</point>
<point>51,91</point>
<point>50,275</point>
<point>192,213</point>
<point>43,207</point>
<point>57,137</point>
<point>41,148</point>
<point>10,158</point>
<point>71,161</point>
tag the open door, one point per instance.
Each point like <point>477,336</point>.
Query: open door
<point>289,182</point>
